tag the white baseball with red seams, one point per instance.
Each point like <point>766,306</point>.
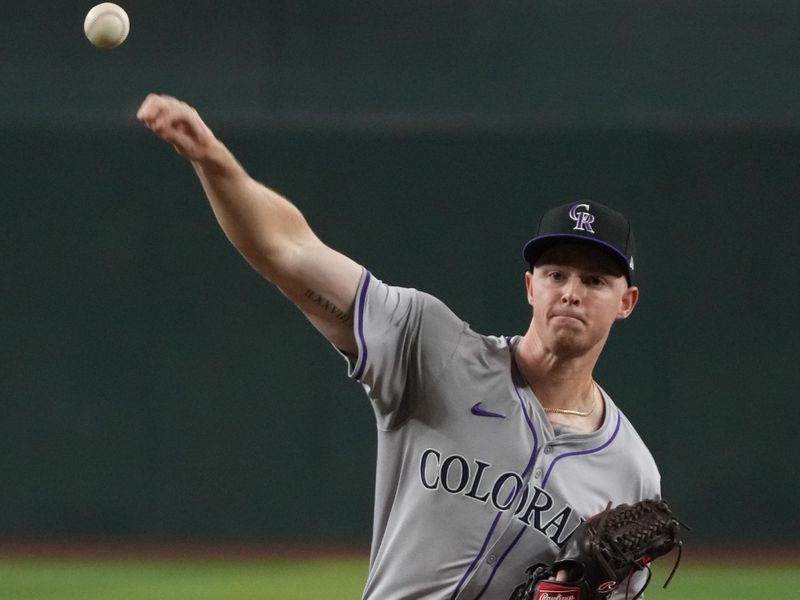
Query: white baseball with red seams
<point>107,25</point>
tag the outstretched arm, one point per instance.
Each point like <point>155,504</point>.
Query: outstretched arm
<point>268,230</point>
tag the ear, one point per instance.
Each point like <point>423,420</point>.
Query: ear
<point>529,286</point>
<point>628,302</point>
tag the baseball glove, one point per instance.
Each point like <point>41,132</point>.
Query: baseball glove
<point>605,550</point>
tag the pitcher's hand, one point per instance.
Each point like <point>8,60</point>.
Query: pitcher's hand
<point>178,124</point>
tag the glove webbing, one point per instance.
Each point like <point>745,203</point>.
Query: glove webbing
<point>637,526</point>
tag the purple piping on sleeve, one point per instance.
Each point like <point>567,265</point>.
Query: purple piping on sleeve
<point>360,316</point>
<point>530,464</point>
<point>544,482</point>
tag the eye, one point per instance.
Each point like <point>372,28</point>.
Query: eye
<point>596,281</point>
<point>556,275</point>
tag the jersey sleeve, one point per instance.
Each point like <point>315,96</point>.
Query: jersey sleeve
<point>406,339</point>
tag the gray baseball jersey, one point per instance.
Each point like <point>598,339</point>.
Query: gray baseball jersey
<point>473,485</point>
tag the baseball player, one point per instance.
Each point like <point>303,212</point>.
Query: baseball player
<point>491,450</point>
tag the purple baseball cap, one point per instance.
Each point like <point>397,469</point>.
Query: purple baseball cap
<point>585,221</point>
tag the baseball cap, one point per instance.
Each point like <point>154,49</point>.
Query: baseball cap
<point>585,221</point>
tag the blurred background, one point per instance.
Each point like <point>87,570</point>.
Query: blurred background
<point>153,387</point>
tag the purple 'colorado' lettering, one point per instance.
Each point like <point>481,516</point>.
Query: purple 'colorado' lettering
<point>446,473</point>
<point>532,505</point>
<point>498,487</point>
<point>476,482</point>
<point>423,468</point>
<point>536,508</point>
<point>558,522</point>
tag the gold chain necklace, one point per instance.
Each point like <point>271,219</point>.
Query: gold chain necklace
<point>577,413</point>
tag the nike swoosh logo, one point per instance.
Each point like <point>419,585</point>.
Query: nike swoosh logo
<point>482,412</point>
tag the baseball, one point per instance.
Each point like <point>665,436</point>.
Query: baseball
<point>106,25</point>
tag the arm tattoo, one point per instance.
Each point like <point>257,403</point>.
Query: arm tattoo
<point>329,307</point>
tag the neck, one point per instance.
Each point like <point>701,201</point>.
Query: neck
<point>557,381</point>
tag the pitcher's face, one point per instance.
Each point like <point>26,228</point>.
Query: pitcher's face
<point>577,292</point>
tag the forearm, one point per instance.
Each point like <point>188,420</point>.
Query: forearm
<point>263,226</point>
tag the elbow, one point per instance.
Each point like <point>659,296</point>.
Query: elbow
<point>276,261</point>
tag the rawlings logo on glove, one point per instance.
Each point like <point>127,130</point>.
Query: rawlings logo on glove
<point>553,591</point>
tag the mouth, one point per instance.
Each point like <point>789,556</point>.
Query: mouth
<point>567,316</point>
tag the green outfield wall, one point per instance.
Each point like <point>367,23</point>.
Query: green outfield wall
<point>153,386</point>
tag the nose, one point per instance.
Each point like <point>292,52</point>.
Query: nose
<point>570,292</point>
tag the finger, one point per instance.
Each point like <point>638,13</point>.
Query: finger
<point>154,105</point>
<point>148,107</point>
<point>161,117</point>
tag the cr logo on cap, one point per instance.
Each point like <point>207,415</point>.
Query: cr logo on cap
<point>583,219</point>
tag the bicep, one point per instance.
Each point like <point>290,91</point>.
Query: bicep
<point>322,283</point>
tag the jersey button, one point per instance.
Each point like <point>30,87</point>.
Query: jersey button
<point>537,473</point>
<point>491,559</point>
<point>548,449</point>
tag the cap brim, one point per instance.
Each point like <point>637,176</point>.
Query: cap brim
<point>536,247</point>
